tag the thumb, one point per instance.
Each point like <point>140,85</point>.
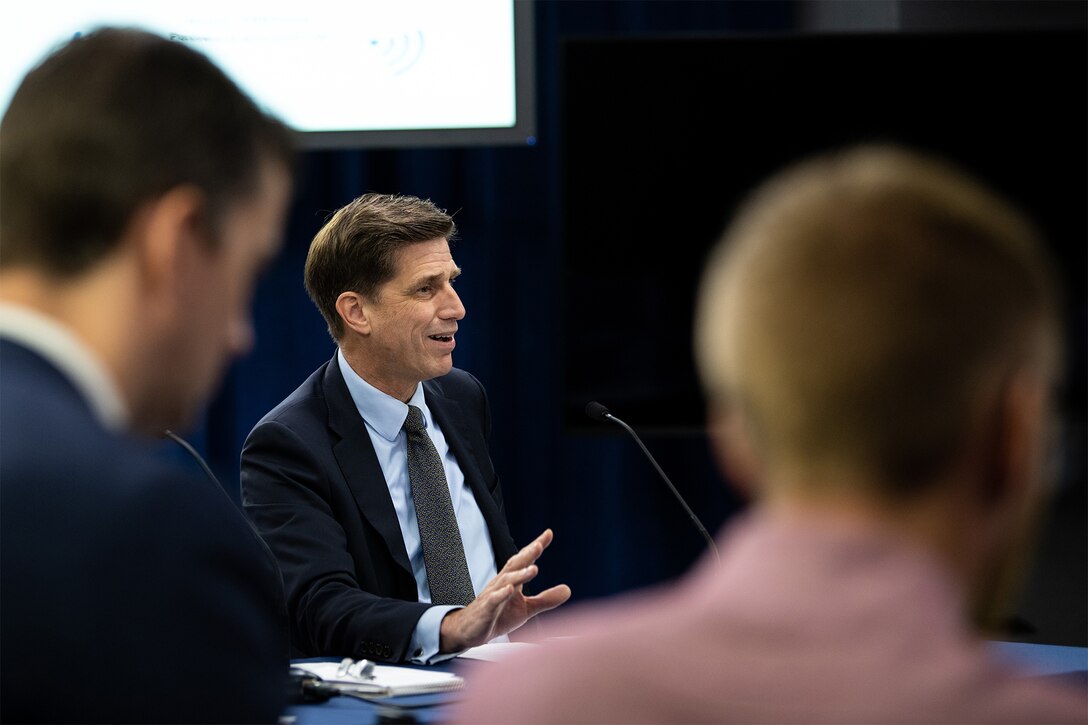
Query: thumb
<point>548,599</point>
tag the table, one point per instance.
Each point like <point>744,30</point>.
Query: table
<point>344,710</point>
<point>1046,660</point>
<point>1041,660</point>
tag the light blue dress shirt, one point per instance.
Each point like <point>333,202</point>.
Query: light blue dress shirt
<point>384,416</point>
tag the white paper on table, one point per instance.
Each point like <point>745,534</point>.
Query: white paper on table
<point>386,680</point>
<point>495,651</point>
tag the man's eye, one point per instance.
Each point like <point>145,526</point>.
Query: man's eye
<point>425,289</point>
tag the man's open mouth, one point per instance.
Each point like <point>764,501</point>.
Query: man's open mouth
<point>442,338</point>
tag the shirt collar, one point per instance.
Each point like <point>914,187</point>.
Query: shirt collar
<point>384,413</point>
<point>53,341</point>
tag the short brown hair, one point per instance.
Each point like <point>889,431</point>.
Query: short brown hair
<point>356,250</point>
<point>857,303</point>
<point>111,120</point>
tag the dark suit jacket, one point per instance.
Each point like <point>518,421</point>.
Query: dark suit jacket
<point>314,487</point>
<point>129,590</point>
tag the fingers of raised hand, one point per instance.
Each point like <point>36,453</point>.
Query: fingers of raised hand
<point>529,553</point>
<point>506,584</point>
<point>519,576</point>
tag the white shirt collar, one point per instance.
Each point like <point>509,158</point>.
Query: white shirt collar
<point>56,343</point>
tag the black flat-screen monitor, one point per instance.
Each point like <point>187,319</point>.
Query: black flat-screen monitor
<point>663,137</point>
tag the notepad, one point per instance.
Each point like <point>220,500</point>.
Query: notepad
<point>385,680</point>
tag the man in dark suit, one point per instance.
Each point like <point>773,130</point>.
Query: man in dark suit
<point>372,482</point>
<point>140,191</point>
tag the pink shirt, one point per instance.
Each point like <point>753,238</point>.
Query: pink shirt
<point>801,621</point>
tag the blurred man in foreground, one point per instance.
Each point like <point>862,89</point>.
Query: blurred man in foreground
<point>140,192</point>
<point>878,337</point>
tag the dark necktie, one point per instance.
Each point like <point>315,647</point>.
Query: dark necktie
<point>443,552</point>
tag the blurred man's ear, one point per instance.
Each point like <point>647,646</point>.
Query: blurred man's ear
<point>1010,493</point>
<point>161,233</point>
<point>1013,446</point>
<point>734,449</point>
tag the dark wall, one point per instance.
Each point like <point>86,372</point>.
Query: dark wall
<point>616,525</point>
<point>653,168</point>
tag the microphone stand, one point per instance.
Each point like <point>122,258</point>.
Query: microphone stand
<point>598,412</point>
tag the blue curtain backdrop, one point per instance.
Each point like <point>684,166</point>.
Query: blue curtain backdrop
<point>617,527</point>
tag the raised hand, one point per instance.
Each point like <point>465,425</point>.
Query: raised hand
<point>502,607</point>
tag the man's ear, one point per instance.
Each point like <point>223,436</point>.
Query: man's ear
<point>1013,447</point>
<point>352,308</point>
<point>162,233</point>
<point>1009,492</point>
<point>734,449</point>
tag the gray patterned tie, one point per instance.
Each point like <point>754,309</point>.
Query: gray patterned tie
<point>443,552</point>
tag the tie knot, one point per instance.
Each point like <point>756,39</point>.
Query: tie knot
<point>414,422</point>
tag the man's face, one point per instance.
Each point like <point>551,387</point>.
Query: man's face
<point>413,321</point>
<point>215,289</point>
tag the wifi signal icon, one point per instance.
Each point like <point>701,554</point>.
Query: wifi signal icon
<point>400,52</point>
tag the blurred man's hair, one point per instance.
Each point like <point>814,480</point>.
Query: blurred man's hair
<point>356,250</point>
<point>109,121</point>
<point>858,304</point>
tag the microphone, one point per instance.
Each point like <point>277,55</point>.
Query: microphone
<point>596,411</point>
<point>256,534</point>
<point>196,456</point>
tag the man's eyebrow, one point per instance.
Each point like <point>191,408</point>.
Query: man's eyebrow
<point>436,278</point>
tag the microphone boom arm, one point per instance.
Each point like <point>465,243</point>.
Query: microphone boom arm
<point>598,411</point>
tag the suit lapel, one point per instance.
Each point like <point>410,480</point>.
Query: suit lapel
<point>355,454</point>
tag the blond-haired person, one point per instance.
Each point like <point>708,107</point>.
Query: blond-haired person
<point>878,337</point>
